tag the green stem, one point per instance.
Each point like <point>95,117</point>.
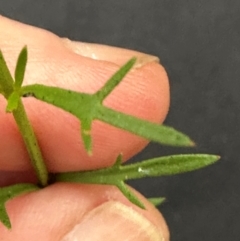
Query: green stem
<point>31,143</point>
<point>20,116</point>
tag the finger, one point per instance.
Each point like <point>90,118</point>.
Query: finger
<point>107,53</point>
<point>53,61</point>
<point>82,212</point>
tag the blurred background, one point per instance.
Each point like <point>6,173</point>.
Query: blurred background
<point>198,43</point>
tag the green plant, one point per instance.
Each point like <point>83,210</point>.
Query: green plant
<point>87,108</point>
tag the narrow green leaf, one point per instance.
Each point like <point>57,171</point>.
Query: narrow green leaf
<point>157,201</point>
<point>13,101</point>
<point>20,67</point>
<point>7,193</point>
<point>4,218</point>
<point>129,194</point>
<point>167,165</point>
<point>151,131</point>
<point>6,80</point>
<point>118,162</point>
<point>115,80</point>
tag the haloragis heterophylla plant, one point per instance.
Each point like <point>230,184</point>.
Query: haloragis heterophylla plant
<point>87,108</point>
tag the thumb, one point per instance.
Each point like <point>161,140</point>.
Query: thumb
<point>114,221</point>
<point>72,212</point>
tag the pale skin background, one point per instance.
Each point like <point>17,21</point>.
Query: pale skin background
<point>198,43</point>
<point>49,59</point>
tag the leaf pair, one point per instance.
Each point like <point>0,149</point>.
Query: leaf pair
<point>14,98</point>
<point>7,83</point>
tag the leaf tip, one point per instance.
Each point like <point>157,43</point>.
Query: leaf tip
<point>212,158</point>
<point>187,142</point>
<point>118,161</point>
<point>89,151</point>
<point>4,218</point>
<point>192,143</point>
<point>87,140</point>
<point>129,194</point>
<point>217,157</point>
<point>157,201</point>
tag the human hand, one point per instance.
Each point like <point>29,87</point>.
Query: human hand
<point>98,212</point>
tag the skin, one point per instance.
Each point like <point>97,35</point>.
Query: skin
<point>81,67</point>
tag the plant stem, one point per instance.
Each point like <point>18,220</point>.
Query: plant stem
<point>20,116</point>
<point>31,143</point>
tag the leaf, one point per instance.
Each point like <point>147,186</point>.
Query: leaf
<point>20,67</point>
<point>157,201</point>
<point>7,193</point>
<point>118,161</point>
<point>129,194</point>
<point>151,131</point>
<point>13,101</point>
<point>168,165</point>
<point>115,80</point>
<point>4,218</point>
<point>6,80</point>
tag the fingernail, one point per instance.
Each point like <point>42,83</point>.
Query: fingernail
<point>114,221</point>
<point>145,59</point>
<point>115,55</point>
